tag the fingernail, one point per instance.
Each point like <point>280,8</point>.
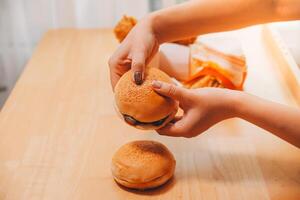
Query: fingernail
<point>138,78</point>
<point>156,84</point>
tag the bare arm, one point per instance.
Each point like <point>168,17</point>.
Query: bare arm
<point>205,16</point>
<point>281,120</point>
<point>190,19</point>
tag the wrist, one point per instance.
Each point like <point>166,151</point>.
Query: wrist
<point>153,20</point>
<point>234,103</point>
<point>239,103</point>
<point>148,23</point>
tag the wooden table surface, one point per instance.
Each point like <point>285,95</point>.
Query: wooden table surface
<point>59,130</point>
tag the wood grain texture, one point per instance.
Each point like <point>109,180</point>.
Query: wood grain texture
<point>59,130</point>
<point>283,59</point>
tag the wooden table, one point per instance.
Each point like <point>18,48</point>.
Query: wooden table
<point>58,132</point>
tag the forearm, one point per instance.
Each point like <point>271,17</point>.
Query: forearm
<point>205,16</point>
<point>281,120</point>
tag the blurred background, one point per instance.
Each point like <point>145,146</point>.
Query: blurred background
<point>23,23</point>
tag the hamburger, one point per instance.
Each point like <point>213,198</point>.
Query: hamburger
<point>140,106</point>
<point>143,165</point>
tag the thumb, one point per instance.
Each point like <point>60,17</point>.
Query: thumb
<point>169,90</point>
<point>138,66</point>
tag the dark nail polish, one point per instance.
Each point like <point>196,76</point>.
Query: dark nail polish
<point>138,78</point>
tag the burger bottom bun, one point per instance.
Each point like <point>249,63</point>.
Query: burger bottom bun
<point>153,127</point>
<point>149,126</point>
<point>147,185</point>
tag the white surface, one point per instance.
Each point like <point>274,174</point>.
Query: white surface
<point>290,33</point>
<point>227,42</point>
<point>23,22</point>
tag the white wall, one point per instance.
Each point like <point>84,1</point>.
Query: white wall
<point>23,22</point>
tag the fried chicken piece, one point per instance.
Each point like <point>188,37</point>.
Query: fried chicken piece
<point>124,26</point>
<point>127,23</point>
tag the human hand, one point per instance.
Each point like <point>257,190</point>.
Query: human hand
<point>202,108</point>
<point>136,50</point>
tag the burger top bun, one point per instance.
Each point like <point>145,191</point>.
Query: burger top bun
<point>141,102</point>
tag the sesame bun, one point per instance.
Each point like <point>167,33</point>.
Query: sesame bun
<point>140,105</point>
<point>143,165</point>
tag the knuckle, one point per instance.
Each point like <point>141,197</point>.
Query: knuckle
<point>172,90</point>
<point>137,64</point>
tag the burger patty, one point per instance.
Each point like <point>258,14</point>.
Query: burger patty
<point>130,120</point>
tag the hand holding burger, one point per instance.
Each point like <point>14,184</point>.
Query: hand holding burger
<point>134,53</point>
<point>202,108</point>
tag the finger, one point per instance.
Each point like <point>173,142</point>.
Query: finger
<point>114,78</point>
<point>169,90</point>
<point>118,56</point>
<point>176,118</point>
<point>178,129</point>
<point>118,71</point>
<point>117,60</point>
<point>138,66</point>
<point>152,54</point>
<point>122,51</point>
